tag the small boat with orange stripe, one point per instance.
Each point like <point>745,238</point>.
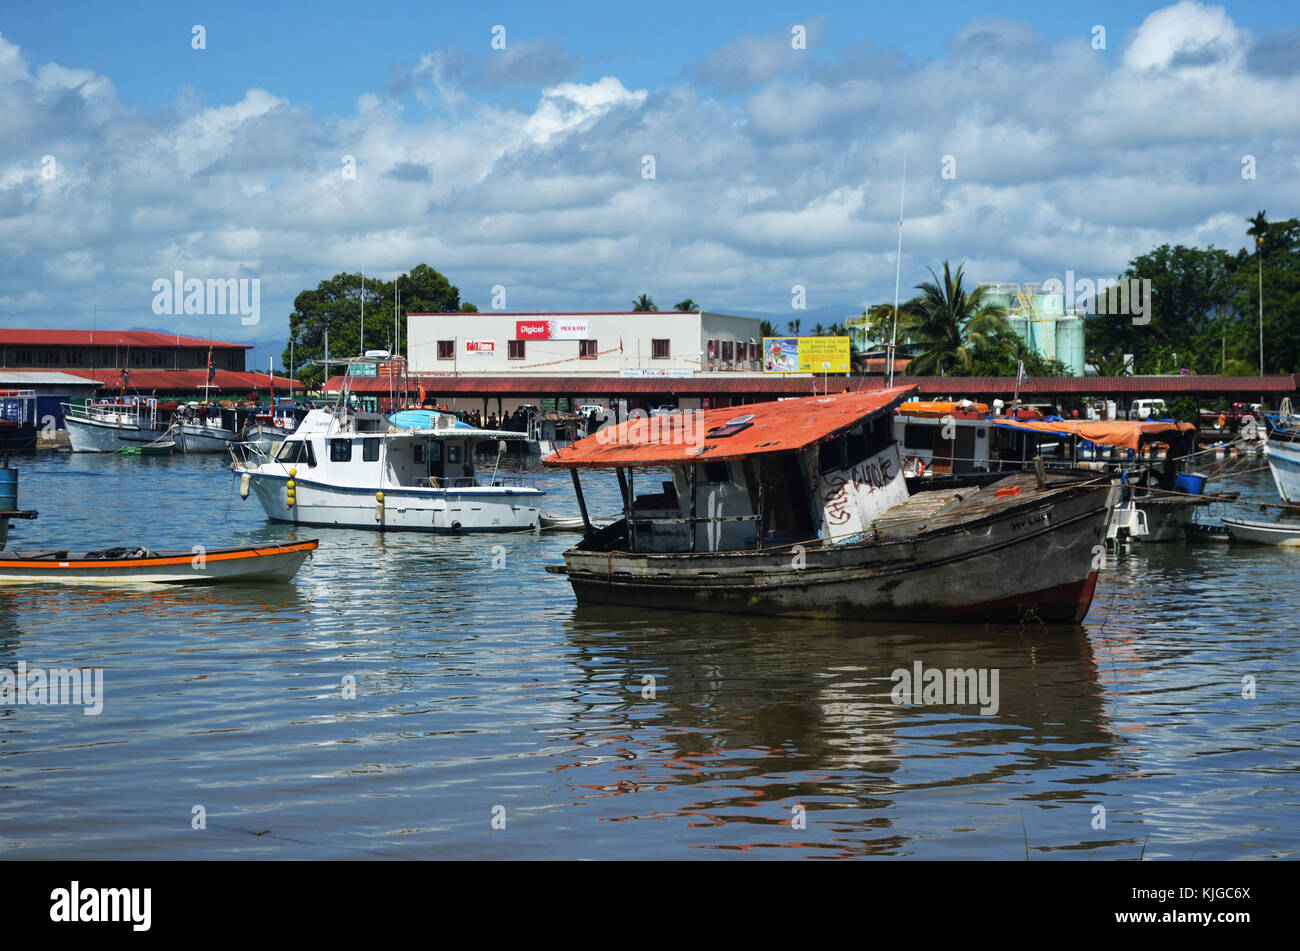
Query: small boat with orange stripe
<point>128,566</point>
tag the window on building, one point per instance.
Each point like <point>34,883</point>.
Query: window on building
<point>755,352</point>
<point>370,450</point>
<point>232,360</point>
<point>713,350</point>
<point>587,349</point>
<point>48,357</point>
<point>515,349</point>
<point>446,349</point>
<point>23,357</point>
<point>137,358</point>
<point>340,450</point>
<point>659,350</point>
<point>72,357</point>
<point>157,358</point>
<point>728,351</point>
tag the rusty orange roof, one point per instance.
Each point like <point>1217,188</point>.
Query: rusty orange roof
<point>755,429</point>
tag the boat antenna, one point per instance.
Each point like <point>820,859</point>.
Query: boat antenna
<point>363,308</point>
<point>898,265</point>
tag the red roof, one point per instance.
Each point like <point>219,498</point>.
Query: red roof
<point>773,385</point>
<point>34,337</point>
<point>763,428</point>
<point>227,381</point>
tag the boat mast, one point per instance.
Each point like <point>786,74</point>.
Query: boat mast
<point>898,266</point>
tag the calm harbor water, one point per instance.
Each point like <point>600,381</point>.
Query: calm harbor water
<point>482,693</point>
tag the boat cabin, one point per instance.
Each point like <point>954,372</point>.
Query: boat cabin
<point>752,477</point>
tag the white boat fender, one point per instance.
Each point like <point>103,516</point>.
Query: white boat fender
<point>379,506</point>
<point>244,483</point>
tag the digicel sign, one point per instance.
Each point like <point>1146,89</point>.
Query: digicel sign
<point>532,330</point>
<point>551,330</point>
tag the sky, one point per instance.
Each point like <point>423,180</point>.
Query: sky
<point>577,155</point>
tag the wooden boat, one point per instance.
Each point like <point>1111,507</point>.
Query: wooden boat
<point>250,563</point>
<point>800,507</point>
<point>566,523</point>
<point>1203,532</point>
<point>1263,533</point>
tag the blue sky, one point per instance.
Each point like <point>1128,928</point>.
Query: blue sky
<point>525,167</point>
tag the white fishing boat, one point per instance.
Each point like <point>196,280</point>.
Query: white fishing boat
<point>1263,533</point>
<point>413,471</point>
<point>110,425</point>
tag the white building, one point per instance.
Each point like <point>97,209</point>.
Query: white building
<point>654,343</point>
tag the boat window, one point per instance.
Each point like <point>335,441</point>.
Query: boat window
<point>453,454</point>
<point>918,436</point>
<point>417,453</point>
<point>295,451</point>
<point>435,452</point>
<point>716,472</point>
<point>370,450</point>
<point>831,454</point>
<point>856,446</point>
<point>340,450</point>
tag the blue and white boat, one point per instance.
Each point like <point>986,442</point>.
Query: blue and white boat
<point>1282,450</point>
<point>411,471</point>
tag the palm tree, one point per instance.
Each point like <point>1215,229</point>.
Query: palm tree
<point>1257,230</point>
<point>951,324</point>
<point>643,303</point>
<point>819,330</point>
<point>792,327</point>
<point>686,305</point>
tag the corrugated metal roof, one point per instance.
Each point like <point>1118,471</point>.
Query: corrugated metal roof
<point>228,381</point>
<point>760,429</point>
<point>47,378</point>
<point>36,337</point>
<point>724,385</point>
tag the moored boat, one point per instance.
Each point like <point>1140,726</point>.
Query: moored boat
<point>1263,533</point>
<point>413,471</point>
<point>1282,449</point>
<point>249,563</point>
<point>108,425</point>
<point>801,508</point>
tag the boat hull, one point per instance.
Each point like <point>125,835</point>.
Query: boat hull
<point>1263,533</point>
<point>265,563</point>
<point>1167,518</point>
<point>451,511</point>
<point>85,435</point>
<point>1284,462</point>
<point>194,438</point>
<point>1036,561</point>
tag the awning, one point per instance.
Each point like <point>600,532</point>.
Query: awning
<point>731,432</point>
<point>1125,434</point>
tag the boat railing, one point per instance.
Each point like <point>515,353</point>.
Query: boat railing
<point>472,482</point>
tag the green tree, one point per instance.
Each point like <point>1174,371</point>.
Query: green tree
<point>644,303</point>
<point>954,326</point>
<point>334,306</point>
<point>686,305</point>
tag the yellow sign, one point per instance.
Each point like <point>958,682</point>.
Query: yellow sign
<point>805,354</point>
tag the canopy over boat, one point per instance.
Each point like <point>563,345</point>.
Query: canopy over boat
<point>731,432</point>
<point>1125,434</point>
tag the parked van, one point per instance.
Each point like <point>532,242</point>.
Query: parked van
<point>1147,409</point>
